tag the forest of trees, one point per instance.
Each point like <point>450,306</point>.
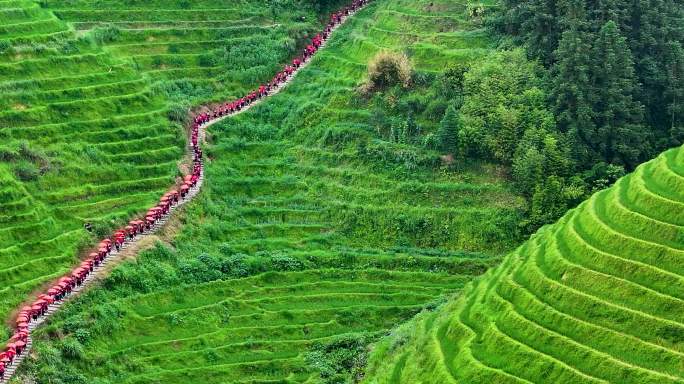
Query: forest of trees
<point>585,92</point>
<point>613,78</point>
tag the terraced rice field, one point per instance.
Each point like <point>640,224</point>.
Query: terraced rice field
<point>85,120</point>
<point>85,127</point>
<point>597,297</point>
<point>217,48</point>
<point>300,237</point>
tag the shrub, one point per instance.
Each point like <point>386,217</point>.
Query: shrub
<point>106,34</point>
<point>4,46</point>
<point>341,360</point>
<point>26,171</point>
<point>71,348</point>
<point>388,69</point>
<point>208,60</point>
<point>178,113</point>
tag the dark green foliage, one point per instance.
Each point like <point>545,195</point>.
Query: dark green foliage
<point>619,133</point>
<point>106,34</point>
<point>447,135</point>
<point>594,90</point>
<point>616,71</point>
<point>342,360</point>
<point>602,176</point>
<point>571,88</point>
<point>502,100</point>
<point>451,81</point>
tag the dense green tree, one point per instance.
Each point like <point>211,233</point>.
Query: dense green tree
<point>571,92</point>
<point>539,154</point>
<point>561,33</point>
<point>618,135</point>
<point>500,96</point>
<point>653,30</point>
<point>451,81</point>
<point>447,135</point>
<point>675,94</point>
<point>548,202</point>
<point>533,22</point>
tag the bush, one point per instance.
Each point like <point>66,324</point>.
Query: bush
<point>341,360</point>
<point>388,69</point>
<point>4,46</point>
<point>106,34</point>
<point>26,171</point>
<point>179,113</point>
<point>71,348</point>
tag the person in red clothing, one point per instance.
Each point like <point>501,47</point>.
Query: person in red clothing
<point>10,352</point>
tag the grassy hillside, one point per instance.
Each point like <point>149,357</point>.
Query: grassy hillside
<point>597,297</point>
<point>313,235</point>
<point>74,123</point>
<point>89,132</point>
<point>212,49</point>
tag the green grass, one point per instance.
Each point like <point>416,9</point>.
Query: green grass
<point>597,297</point>
<point>311,229</point>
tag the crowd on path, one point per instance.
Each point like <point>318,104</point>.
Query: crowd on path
<point>65,286</point>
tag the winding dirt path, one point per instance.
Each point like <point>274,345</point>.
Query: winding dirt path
<point>132,247</point>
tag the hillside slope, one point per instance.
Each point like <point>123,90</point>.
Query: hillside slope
<point>312,235</point>
<point>84,139</point>
<point>90,133</point>
<point>597,297</point>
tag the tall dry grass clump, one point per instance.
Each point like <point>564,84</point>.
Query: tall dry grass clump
<point>388,69</point>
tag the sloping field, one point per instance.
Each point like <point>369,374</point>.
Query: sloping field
<point>597,297</point>
<point>72,119</point>
<point>309,234</point>
<point>217,49</point>
<point>87,134</point>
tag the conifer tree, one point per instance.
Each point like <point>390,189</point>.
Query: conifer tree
<point>618,135</point>
<point>571,92</point>
<point>447,135</point>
